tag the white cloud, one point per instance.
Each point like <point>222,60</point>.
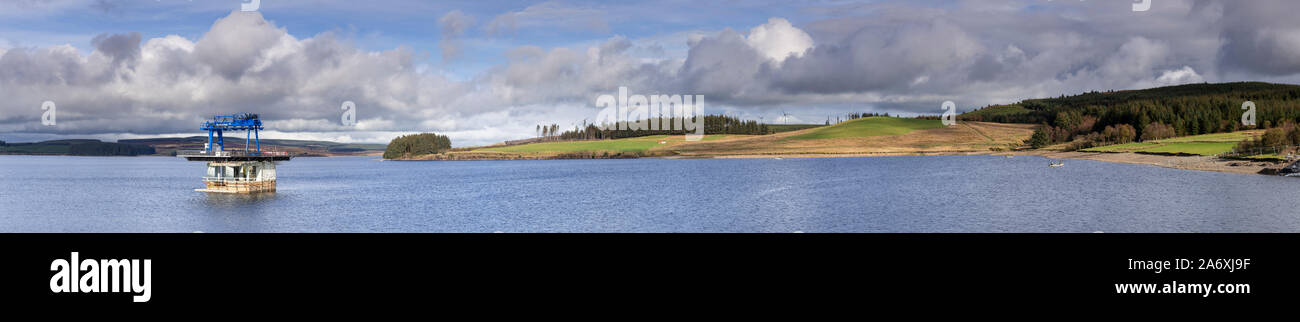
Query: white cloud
<point>778,39</point>
<point>1185,75</point>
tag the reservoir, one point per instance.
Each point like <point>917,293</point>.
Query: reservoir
<point>880,194</point>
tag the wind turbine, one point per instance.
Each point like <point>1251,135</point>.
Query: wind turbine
<point>785,116</point>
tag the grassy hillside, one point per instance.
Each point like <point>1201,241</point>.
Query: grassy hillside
<point>637,144</point>
<point>870,135</point>
<point>869,127</point>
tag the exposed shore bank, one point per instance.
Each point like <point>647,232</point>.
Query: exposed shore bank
<point>1199,163</point>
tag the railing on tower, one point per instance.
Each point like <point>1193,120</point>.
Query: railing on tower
<point>247,122</point>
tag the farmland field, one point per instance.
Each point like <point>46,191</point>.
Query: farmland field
<point>1205,144</point>
<point>869,127</point>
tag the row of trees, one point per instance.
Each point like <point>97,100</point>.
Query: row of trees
<point>713,124</point>
<point>417,144</point>
<point>548,130</point>
<point>1083,137</point>
<point>853,116</point>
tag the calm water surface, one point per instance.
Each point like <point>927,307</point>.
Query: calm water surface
<point>885,194</point>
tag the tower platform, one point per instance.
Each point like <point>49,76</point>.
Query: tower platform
<point>201,155</point>
<point>249,171</point>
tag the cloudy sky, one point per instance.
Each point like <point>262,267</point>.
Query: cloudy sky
<point>486,71</point>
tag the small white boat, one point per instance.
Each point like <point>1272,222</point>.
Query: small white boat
<point>1057,164</point>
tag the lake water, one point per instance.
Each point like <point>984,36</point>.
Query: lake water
<point>884,194</point>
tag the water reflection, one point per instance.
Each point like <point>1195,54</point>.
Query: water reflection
<point>236,200</point>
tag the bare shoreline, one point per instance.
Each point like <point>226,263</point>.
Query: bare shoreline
<point>1198,163</point>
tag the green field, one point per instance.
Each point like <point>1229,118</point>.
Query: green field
<point>1197,148</point>
<point>623,145</point>
<point>1205,144</point>
<point>870,126</point>
<point>1233,137</point>
<point>637,144</point>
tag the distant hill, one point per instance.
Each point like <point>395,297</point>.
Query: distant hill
<point>168,146</point>
<point>77,147</point>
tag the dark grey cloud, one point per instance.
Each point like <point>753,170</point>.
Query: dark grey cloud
<point>871,60</point>
<point>723,65</point>
<point>1261,36</point>
<point>124,49</point>
<point>236,42</point>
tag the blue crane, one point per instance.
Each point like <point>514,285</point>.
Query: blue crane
<point>239,122</point>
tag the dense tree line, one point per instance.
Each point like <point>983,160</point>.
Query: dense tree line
<point>1151,114</point>
<point>417,144</point>
<point>713,124</point>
